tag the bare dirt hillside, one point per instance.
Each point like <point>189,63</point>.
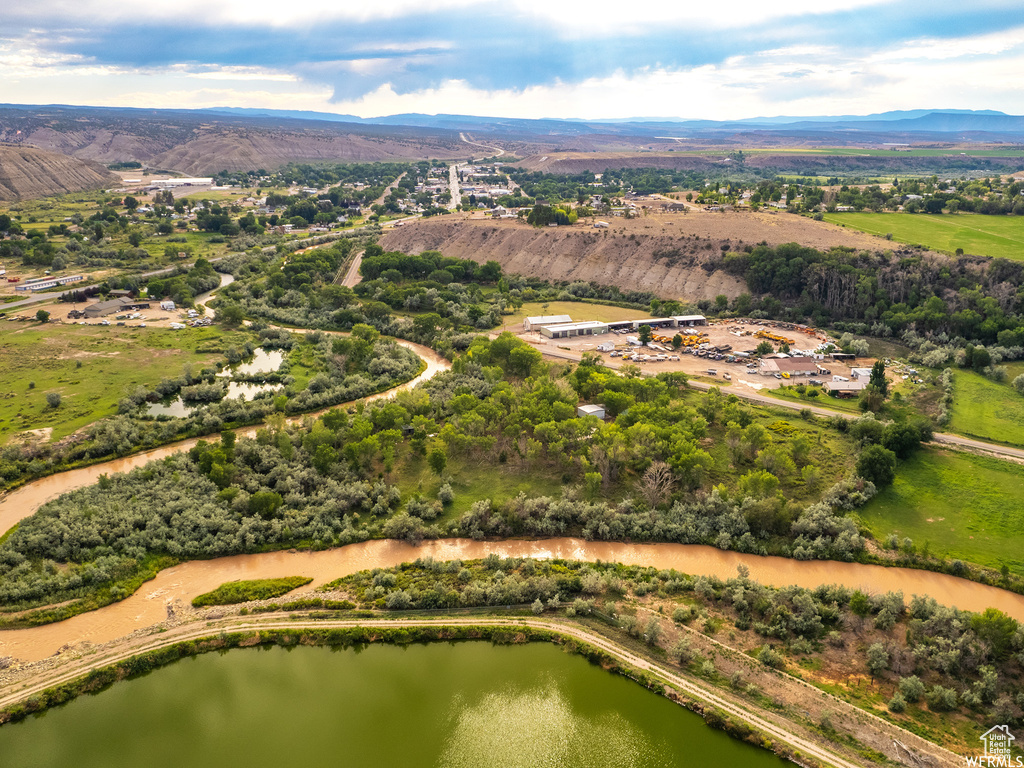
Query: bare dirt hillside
<point>202,145</point>
<point>671,255</point>
<point>26,172</point>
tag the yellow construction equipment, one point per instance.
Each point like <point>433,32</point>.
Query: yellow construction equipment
<point>762,334</point>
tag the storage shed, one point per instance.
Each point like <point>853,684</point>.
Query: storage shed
<point>590,410</point>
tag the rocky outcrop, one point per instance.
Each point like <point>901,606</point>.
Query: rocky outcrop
<point>26,172</point>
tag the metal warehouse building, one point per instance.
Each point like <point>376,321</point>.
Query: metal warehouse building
<point>570,330</point>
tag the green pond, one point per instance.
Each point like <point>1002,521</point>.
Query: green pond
<point>464,704</point>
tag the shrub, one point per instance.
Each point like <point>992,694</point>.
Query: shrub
<point>897,703</point>
<point>53,399</point>
<point>942,699</point>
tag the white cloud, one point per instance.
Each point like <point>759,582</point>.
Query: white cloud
<point>598,17</point>
<point>742,87</point>
<point>971,72</point>
<point>933,49</point>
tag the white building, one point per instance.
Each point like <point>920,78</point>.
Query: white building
<point>533,323</point>
<point>590,410</point>
<point>571,330</point>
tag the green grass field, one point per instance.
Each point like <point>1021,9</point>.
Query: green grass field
<point>823,400</point>
<point>579,311</point>
<point>986,409</point>
<point>963,506</point>
<point>995,236</point>
<point>113,362</point>
<point>474,481</point>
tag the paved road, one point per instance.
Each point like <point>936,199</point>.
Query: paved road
<point>352,276</point>
<point>453,186</point>
<point>771,727</point>
<point>944,438</point>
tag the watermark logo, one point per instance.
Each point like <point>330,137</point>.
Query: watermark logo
<point>998,742</point>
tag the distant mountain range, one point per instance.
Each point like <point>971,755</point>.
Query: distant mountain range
<point>899,121</point>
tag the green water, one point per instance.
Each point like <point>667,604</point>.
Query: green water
<point>466,704</point>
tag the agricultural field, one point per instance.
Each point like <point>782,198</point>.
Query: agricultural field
<point>91,368</point>
<point>958,505</point>
<point>987,409</point>
<point>977,235</point>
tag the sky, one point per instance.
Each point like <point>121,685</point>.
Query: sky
<point>518,58</point>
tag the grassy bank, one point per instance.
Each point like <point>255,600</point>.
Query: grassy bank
<point>957,505</point>
<point>243,591</point>
<point>987,409</point>
<point>977,235</point>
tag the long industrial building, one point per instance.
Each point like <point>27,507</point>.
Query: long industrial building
<point>41,284</point>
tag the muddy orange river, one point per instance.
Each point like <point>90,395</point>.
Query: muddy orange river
<point>183,582</point>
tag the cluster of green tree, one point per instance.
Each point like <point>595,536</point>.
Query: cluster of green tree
<point>543,215</point>
<point>427,265</point>
<point>613,181</point>
<point>951,659</point>
<point>125,165</point>
<point>348,370</point>
<point>80,249</point>
<point>534,289</point>
<point>989,196</point>
<point>432,584</point>
<point>884,294</point>
<point>445,309</point>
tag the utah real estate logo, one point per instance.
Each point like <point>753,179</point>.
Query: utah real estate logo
<point>997,741</point>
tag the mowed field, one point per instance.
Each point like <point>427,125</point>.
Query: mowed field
<point>91,368</point>
<point>987,409</point>
<point>579,311</point>
<point>995,236</point>
<point>961,505</point>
